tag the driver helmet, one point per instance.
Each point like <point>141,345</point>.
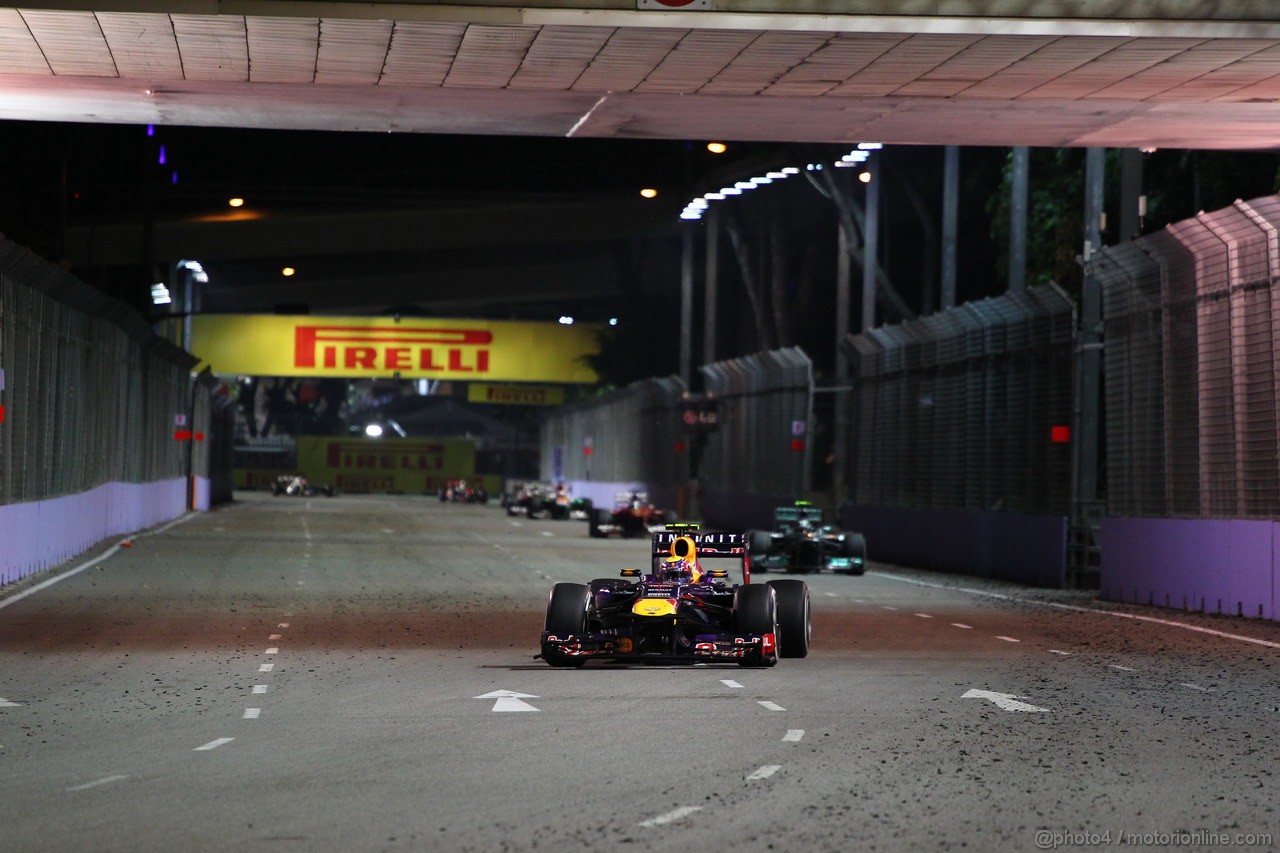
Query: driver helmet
<point>680,570</point>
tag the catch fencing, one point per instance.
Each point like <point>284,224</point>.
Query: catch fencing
<point>762,443</point>
<point>100,424</point>
<point>628,436</point>
<point>1192,326</point>
<point>968,408</point>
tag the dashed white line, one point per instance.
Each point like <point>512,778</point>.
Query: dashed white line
<point>387,530</point>
<point>252,713</point>
<point>274,650</point>
<point>283,625</point>
<point>887,607</point>
<point>1194,686</point>
<point>771,706</point>
<point>1060,652</point>
<point>1121,668</point>
<point>266,667</point>
<point>259,688</point>
<point>729,682</point>
<point>962,625</point>
<point>859,601</point>
<point>546,533</point>
<point>764,772</point>
<point>1008,639</point>
<point>674,815</point>
<point>832,594</point>
<point>94,784</point>
<point>213,744</point>
<point>924,615</point>
<point>275,636</point>
<point>793,736</point>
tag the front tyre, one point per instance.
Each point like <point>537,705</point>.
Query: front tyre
<point>855,548</point>
<point>566,614</point>
<point>795,625</point>
<point>755,612</point>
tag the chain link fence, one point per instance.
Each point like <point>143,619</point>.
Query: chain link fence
<point>1192,323</point>
<point>762,445</point>
<point>969,408</point>
<point>627,436</point>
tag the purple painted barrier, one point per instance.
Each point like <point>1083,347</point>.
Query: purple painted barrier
<point>1226,566</point>
<point>1030,549</point>
<point>40,534</point>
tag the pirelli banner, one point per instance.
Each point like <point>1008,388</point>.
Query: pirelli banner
<point>372,347</point>
<point>401,465</point>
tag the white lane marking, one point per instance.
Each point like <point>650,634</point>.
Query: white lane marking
<point>887,607</point>
<point>547,533</point>
<point>387,530</point>
<point>283,625</point>
<point>1007,701</point>
<point>5,703</point>
<point>266,667</point>
<point>274,650</point>
<point>764,772</point>
<point>924,615</point>
<point>1194,686</point>
<point>509,700</point>
<point>793,735</point>
<point>275,636</point>
<point>859,601</point>
<point>516,524</point>
<point>832,594</point>
<point>104,781</point>
<point>1121,668</point>
<point>252,713</point>
<point>729,682</point>
<point>1060,652</point>
<point>1134,616</point>
<point>213,744</point>
<point>1008,639</point>
<point>962,625</point>
<point>259,688</point>
<point>771,706</point>
<point>674,815</point>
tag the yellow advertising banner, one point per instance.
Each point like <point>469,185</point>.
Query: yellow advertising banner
<point>380,347</point>
<point>403,465</point>
<point>515,395</point>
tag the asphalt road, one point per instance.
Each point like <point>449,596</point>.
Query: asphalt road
<point>338,674</point>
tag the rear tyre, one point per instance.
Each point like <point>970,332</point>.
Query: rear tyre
<point>855,548</point>
<point>597,518</point>
<point>794,617</point>
<point>755,612</point>
<point>566,614</point>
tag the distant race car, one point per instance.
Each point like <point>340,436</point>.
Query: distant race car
<point>541,500</point>
<point>457,491</point>
<point>683,611</point>
<point>631,516</point>
<point>802,542</point>
<point>297,485</point>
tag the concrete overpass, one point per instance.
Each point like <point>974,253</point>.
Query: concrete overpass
<point>1162,73</point>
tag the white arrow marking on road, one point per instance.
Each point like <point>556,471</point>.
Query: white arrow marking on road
<point>5,703</point>
<point>509,700</point>
<point>1007,701</point>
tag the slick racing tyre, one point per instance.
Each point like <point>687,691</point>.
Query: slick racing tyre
<point>755,612</point>
<point>794,620</point>
<point>597,518</point>
<point>566,614</point>
<point>855,547</point>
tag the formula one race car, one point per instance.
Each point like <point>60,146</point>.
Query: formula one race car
<point>457,491</point>
<point>682,612</point>
<point>296,485</point>
<point>539,500</point>
<point>632,515</point>
<point>801,542</point>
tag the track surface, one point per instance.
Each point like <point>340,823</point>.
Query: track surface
<point>305,674</point>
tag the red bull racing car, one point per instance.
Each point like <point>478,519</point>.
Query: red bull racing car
<point>682,611</point>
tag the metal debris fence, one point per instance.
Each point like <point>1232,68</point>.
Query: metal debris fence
<point>961,409</point>
<point>90,393</point>
<point>1192,322</point>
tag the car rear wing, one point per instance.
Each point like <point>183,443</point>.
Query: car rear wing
<point>705,543</point>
